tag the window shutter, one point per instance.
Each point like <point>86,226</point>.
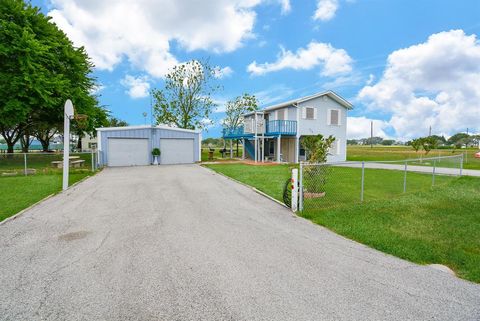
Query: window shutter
<point>329,117</point>
<point>304,112</point>
<point>314,113</point>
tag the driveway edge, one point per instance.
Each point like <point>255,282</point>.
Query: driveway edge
<point>246,185</point>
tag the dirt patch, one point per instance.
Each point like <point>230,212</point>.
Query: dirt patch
<point>73,236</point>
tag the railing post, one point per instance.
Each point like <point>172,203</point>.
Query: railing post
<point>461,165</point>
<point>300,189</point>
<point>405,178</point>
<point>294,190</point>
<point>25,163</point>
<point>433,173</point>
<point>363,182</point>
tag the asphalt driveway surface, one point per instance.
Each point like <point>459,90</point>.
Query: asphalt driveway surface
<point>182,243</point>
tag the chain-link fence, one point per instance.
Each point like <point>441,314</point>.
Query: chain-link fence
<point>16,164</point>
<point>334,184</point>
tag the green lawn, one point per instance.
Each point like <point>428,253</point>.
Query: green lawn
<point>393,153</point>
<point>426,225</point>
<point>38,161</point>
<point>217,156</point>
<point>19,192</point>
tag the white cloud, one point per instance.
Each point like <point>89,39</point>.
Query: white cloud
<point>141,31</point>
<point>435,83</point>
<point>286,7</point>
<point>221,73</point>
<point>326,10</point>
<point>273,94</point>
<point>137,87</point>
<point>333,61</point>
<point>360,127</point>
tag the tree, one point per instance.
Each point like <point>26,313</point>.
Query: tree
<point>429,143</point>
<point>236,108</point>
<point>458,139</point>
<point>317,147</point>
<point>373,141</point>
<point>185,101</point>
<point>416,144</point>
<point>352,142</point>
<point>115,122</point>
<point>388,142</point>
<point>39,69</point>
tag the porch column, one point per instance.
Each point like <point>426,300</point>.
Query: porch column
<point>231,148</point>
<point>256,149</point>
<point>279,148</point>
<point>262,154</point>
<point>297,149</point>
<point>243,145</point>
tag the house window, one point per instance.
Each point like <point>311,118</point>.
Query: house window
<point>334,117</point>
<point>281,114</point>
<point>310,113</point>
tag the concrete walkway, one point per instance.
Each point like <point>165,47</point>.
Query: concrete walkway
<point>182,243</point>
<point>414,168</point>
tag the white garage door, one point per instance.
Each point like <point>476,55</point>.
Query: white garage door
<point>176,151</point>
<point>128,152</point>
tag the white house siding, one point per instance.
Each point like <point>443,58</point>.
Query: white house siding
<point>320,125</point>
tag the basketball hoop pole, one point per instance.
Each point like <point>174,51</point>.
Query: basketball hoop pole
<point>68,114</point>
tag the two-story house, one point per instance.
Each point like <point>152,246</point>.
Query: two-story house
<point>275,133</point>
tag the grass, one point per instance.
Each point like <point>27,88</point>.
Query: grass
<point>38,161</point>
<point>426,225</point>
<point>19,192</point>
<point>393,153</point>
<point>217,156</point>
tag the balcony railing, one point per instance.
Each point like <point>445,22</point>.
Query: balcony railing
<point>281,127</point>
<point>273,128</point>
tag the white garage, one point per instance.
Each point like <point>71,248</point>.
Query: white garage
<point>133,145</point>
<point>176,151</point>
<point>128,152</point>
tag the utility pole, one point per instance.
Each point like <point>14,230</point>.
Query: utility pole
<point>430,131</point>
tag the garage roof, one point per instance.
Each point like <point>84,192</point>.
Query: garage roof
<point>103,129</point>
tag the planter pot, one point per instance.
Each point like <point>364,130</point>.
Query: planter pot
<point>155,160</point>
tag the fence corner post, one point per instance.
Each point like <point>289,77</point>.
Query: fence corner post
<point>295,190</point>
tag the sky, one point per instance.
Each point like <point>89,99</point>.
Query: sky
<point>405,65</point>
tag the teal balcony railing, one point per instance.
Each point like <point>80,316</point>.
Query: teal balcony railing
<point>281,127</point>
<point>233,133</point>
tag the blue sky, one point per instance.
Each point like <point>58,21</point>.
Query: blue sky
<point>407,65</point>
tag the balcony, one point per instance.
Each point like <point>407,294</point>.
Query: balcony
<point>281,127</point>
<point>273,128</point>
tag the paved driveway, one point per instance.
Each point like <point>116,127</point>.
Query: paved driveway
<point>182,243</point>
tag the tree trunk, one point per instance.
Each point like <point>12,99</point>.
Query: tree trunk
<point>25,141</point>
<point>10,146</point>
<point>79,143</point>
<point>45,144</point>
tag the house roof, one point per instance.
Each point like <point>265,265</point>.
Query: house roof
<point>102,129</point>
<point>342,101</point>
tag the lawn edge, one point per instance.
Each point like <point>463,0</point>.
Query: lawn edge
<point>249,186</point>
<point>17,215</point>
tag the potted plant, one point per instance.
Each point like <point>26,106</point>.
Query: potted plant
<point>156,153</point>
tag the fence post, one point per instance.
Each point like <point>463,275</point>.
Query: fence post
<point>405,178</point>
<point>461,165</point>
<point>93,161</point>
<point>294,190</point>
<point>433,173</point>
<point>25,163</point>
<point>363,182</point>
<point>300,188</point>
